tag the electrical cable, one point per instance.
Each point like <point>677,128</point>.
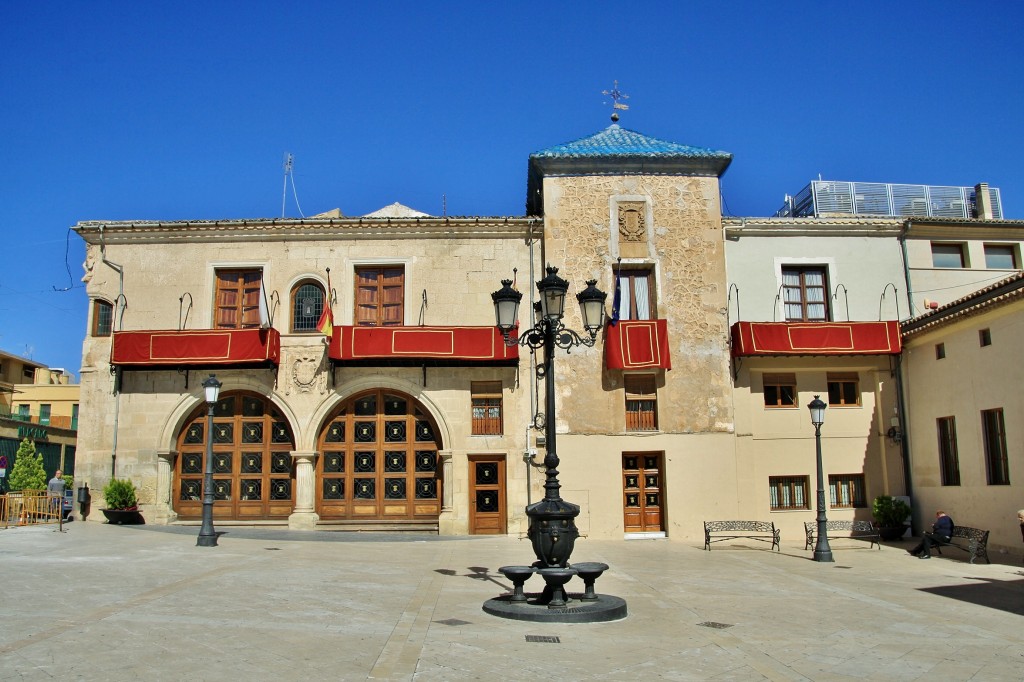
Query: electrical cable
<point>291,174</point>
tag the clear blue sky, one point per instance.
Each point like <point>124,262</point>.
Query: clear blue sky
<point>175,110</point>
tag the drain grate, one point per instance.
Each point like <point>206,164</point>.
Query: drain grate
<point>543,638</point>
<point>452,621</point>
<point>712,624</point>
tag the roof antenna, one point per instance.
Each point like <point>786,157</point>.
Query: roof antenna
<point>444,205</point>
<point>288,158</point>
<point>616,95</point>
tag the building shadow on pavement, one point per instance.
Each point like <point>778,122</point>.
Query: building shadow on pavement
<point>1005,595</point>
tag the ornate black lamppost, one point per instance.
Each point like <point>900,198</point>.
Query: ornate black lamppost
<point>822,551</point>
<point>207,535</point>
<point>553,529</point>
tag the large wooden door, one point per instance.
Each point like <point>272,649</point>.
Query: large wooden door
<point>487,495</point>
<point>378,460</point>
<point>642,491</point>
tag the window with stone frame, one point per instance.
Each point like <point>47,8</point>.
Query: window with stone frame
<point>380,296</point>
<point>307,306</point>
<point>636,294</point>
<point>237,300</point>
<point>641,402</point>
<point>102,318</point>
<point>487,412</point>
<point>805,293</point>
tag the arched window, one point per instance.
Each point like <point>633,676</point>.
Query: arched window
<point>307,306</point>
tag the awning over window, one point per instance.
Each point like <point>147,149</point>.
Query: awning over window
<point>453,344</point>
<point>816,338</point>
<point>196,347</point>
<point>637,344</point>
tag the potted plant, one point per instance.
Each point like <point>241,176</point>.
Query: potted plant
<point>122,503</point>
<point>890,514</point>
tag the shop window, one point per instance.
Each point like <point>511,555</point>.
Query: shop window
<point>949,461</point>
<point>636,294</point>
<point>102,318</point>
<point>994,434</point>
<point>238,299</point>
<point>843,389</point>
<point>847,491</point>
<point>1000,257</point>
<point>307,306</point>
<point>788,492</point>
<point>948,255</point>
<point>641,402</point>
<point>780,390</point>
<point>805,294</point>
<point>486,396</point>
<point>380,296</point>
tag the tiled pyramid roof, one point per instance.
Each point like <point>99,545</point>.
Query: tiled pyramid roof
<point>622,142</point>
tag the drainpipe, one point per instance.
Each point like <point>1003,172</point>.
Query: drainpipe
<point>901,402</point>
<point>119,269</point>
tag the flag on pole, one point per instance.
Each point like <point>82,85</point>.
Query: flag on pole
<point>264,309</point>
<point>616,298</point>
<point>326,322</point>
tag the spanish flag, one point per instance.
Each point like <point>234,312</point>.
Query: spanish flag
<point>326,322</point>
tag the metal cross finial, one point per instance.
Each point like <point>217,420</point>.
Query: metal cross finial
<point>616,95</point>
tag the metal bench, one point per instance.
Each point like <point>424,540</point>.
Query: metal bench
<point>976,542</point>
<point>858,530</point>
<point>763,531</point>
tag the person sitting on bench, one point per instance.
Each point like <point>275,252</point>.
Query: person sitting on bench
<point>942,531</point>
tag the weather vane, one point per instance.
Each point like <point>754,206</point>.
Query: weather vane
<point>616,95</point>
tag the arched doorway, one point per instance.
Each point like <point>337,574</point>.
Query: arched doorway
<point>253,477</point>
<point>379,460</point>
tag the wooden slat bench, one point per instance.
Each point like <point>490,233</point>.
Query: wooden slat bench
<point>763,531</point>
<point>858,530</point>
<point>975,542</point>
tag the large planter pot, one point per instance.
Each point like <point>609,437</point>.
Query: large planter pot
<point>891,532</point>
<point>123,517</point>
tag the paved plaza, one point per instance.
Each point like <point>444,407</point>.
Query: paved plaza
<point>101,602</point>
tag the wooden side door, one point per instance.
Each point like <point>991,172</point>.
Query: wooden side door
<point>487,495</point>
<point>642,496</point>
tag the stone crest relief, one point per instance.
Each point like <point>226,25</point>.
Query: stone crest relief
<point>307,372</point>
<point>633,221</point>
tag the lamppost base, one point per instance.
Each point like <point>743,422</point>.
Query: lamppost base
<point>824,556</point>
<point>206,541</point>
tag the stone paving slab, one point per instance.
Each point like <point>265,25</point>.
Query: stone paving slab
<point>100,602</point>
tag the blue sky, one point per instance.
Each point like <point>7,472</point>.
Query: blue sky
<point>151,110</point>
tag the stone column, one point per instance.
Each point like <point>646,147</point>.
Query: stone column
<point>447,482</point>
<point>304,516</point>
<point>164,486</point>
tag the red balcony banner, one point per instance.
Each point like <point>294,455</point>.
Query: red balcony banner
<point>637,344</point>
<point>464,344</point>
<point>196,347</point>
<point>816,338</point>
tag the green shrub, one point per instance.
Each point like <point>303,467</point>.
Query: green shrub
<point>28,472</point>
<point>889,512</point>
<point>120,494</point>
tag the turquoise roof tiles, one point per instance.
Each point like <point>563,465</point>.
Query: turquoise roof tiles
<point>622,142</point>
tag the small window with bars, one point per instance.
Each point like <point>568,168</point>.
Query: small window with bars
<point>788,492</point>
<point>843,389</point>
<point>780,390</point>
<point>847,491</point>
<point>486,396</point>
<point>641,402</point>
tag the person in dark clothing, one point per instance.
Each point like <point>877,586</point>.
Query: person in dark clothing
<point>942,531</point>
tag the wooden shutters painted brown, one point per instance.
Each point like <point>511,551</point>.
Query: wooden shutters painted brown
<point>380,297</point>
<point>238,299</point>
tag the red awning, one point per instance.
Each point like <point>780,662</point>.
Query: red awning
<point>816,338</point>
<point>223,347</point>
<point>458,344</point>
<point>637,344</point>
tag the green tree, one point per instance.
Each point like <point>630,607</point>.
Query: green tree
<point>28,472</point>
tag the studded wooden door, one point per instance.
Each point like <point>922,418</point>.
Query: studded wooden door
<point>487,495</point>
<point>642,492</point>
<point>378,460</point>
